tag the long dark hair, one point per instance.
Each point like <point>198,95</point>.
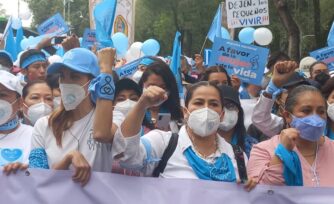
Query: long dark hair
<point>61,120</point>
<point>172,104</point>
<point>239,129</point>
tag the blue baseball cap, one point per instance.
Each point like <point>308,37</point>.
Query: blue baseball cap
<point>79,60</point>
<point>6,55</point>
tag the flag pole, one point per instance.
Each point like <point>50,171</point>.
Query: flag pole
<point>206,38</point>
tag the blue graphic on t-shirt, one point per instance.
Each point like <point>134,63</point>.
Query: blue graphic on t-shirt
<point>10,155</point>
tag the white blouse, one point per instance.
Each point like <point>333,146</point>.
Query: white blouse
<point>132,153</point>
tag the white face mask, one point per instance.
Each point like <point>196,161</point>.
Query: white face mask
<point>137,76</point>
<point>125,106</point>
<point>330,111</point>
<point>204,121</point>
<point>230,120</point>
<point>56,102</point>
<point>6,111</point>
<point>37,111</point>
<point>72,95</point>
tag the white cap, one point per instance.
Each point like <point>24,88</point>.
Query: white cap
<point>54,58</point>
<point>17,62</point>
<point>305,64</point>
<point>10,81</point>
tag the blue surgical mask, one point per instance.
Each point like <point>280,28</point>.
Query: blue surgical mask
<point>311,127</point>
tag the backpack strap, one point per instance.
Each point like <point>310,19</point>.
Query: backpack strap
<point>239,157</point>
<point>166,155</point>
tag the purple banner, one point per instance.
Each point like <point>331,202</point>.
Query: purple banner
<point>45,186</point>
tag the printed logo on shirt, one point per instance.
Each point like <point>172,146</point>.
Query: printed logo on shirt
<point>93,144</point>
<point>10,156</point>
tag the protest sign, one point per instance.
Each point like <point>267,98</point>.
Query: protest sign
<point>245,13</point>
<point>245,61</point>
<point>129,69</point>
<point>88,38</point>
<point>325,55</point>
<point>54,24</point>
<point>49,186</point>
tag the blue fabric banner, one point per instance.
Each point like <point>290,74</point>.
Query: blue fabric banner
<point>245,61</point>
<point>54,187</point>
<point>55,24</point>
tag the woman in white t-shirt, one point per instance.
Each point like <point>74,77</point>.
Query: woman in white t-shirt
<point>15,138</point>
<point>65,138</point>
<point>200,152</point>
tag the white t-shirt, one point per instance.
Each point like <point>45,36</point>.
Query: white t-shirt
<point>134,154</point>
<point>15,146</point>
<point>78,137</point>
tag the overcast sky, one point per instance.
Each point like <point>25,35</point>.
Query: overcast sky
<point>11,9</point>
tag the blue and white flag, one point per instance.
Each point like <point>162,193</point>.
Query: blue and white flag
<point>215,29</point>
<point>175,64</point>
<point>104,14</point>
<point>330,38</point>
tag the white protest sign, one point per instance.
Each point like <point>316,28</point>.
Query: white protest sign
<point>245,13</point>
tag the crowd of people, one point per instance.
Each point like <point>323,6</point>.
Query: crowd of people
<point>76,113</point>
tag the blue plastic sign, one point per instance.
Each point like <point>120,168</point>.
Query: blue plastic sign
<point>88,38</point>
<point>245,61</point>
<point>325,55</point>
<point>54,24</point>
<point>129,69</point>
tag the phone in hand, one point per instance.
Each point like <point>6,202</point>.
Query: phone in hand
<point>163,121</point>
<point>58,40</point>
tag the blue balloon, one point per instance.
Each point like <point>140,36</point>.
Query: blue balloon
<point>151,47</point>
<point>121,43</point>
<point>225,33</point>
<point>246,35</point>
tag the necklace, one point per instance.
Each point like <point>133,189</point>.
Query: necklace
<point>83,130</point>
<point>197,149</point>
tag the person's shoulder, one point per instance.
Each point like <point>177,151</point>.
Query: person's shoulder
<point>43,121</point>
<point>24,129</point>
<point>270,143</point>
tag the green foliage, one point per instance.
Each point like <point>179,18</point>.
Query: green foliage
<point>43,9</point>
<point>160,20</point>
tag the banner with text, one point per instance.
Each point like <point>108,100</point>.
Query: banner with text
<point>325,55</point>
<point>246,13</point>
<point>128,69</point>
<point>88,38</point>
<point>54,187</point>
<point>245,61</point>
<point>55,24</point>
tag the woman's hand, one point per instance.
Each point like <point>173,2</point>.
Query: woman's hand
<point>250,185</point>
<point>70,42</point>
<point>283,71</point>
<point>289,137</point>
<point>153,96</point>
<point>106,58</point>
<point>14,167</point>
<point>82,168</point>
